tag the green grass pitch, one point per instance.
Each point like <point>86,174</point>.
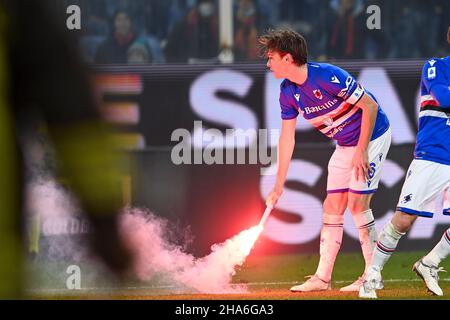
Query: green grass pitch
<point>267,277</point>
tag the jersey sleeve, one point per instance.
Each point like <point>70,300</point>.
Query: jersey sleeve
<point>342,84</point>
<point>288,110</point>
<point>436,82</point>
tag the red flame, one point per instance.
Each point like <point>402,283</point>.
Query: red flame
<point>247,239</point>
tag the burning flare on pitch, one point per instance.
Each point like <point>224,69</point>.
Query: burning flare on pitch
<point>247,238</point>
<point>157,258</point>
<point>210,274</point>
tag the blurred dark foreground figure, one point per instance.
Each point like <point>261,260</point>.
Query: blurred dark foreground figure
<point>41,74</point>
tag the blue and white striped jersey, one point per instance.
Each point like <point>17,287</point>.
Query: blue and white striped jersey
<point>433,138</point>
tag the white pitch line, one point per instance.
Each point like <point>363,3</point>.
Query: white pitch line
<point>339,281</point>
<point>74,291</point>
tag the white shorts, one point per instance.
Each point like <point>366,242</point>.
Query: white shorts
<point>341,177</point>
<point>425,183</point>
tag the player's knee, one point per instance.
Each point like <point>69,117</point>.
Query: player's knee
<point>403,221</point>
<point>335,204</point>
<point>358,203</point>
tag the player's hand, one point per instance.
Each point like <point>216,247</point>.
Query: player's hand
<point>274,195</point>
<point>360,165</point>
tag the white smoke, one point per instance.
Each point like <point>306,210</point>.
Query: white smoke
<point>147,236</point>
<point>145,232</point>
<point>58,213</point>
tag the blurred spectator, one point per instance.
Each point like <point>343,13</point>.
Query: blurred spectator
<point>139,53</point>
<point>134,8</point>
<point>245,38</point>
<point>270,13</point>
<point>346,30</point>
<point>309,18</point>
<point>377,40</point>
<point>196,37</point>
<point>435,14</point>
<point>114,49</point>
<point>406,41</point>
<point>156,15</point>
<point>187,33</point>
<point>156,51</point>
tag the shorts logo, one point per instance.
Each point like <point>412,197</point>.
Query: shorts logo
<point>380,156</point>
<point>371,173</point>
<point>407,198</point>
<point>409,174</point>
<point>372,169</point>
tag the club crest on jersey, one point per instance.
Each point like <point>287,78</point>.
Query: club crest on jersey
<point>318,94</point>
<point>328,122</point>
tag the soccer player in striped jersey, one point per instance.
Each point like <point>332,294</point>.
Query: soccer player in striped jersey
<point>338,106</point>
<point>428,178</point>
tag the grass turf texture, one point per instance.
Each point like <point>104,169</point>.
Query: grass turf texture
<point>267,277</point>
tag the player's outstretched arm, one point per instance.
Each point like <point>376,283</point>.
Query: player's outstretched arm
<point>286,145</point>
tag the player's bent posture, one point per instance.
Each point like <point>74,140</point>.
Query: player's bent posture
<point>332,101</point>
<point>428,177</point>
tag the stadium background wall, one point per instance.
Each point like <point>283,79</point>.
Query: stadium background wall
<point>218,201</point>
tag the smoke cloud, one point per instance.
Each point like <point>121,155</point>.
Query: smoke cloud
<point>157,255</point>
<point>145,234</point>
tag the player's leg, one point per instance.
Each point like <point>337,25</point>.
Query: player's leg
<point>359,198</point>
<point>446,207</point>
<point>428,267</point>
<point>390,236</point>
<point>425,181</point>
<point>330,242</point>
<point>331,234</point>
<point>439,252</point>
<point>335,204</point>
<point>385,247</point>
<point>359,206</point>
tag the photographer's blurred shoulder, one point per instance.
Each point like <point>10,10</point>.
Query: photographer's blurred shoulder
<point>41,72</point>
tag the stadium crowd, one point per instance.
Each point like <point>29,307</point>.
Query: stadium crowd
<point>187,31</point>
